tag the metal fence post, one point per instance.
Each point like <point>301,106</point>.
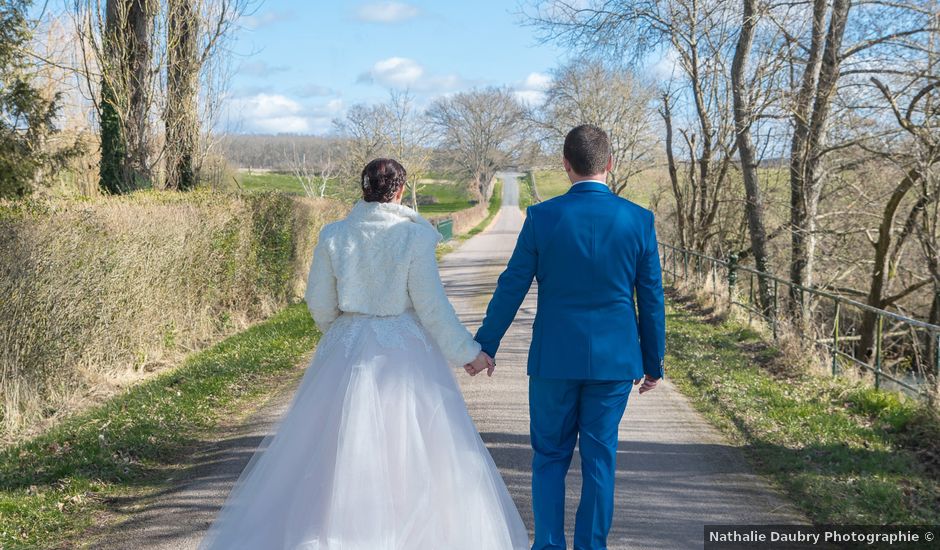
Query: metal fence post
<point>750,298</point>
<point>936,353</point>
<point>715,282</point>
<point>774,312</point>
<point>732,277</point>
<point>675,268</point>
<point>878,335</point>
<point>835,340</point>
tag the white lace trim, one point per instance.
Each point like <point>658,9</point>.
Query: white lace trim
<point>390,331</point>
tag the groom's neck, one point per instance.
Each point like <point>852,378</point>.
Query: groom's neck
<point>577,178</point>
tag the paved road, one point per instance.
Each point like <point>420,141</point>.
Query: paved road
<point>675,472</point>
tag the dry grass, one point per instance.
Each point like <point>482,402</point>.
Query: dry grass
<point>790,353</point>
<point>98,294</point>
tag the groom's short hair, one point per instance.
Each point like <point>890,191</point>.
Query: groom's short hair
<point>587,149</point>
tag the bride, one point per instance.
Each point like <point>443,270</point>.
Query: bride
<point>376,450</point>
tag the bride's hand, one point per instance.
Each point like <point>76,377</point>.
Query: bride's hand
<point>481,363</point>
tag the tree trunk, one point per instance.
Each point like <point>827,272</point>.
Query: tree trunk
<point>810,118</point>
<point>181,116</point>
<point>125,95</point>
<point>674,172</point>
<point>800,118</point>
<point>754,207</point>
<point>879,274</point>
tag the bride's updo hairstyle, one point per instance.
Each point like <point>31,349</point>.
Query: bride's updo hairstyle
<point>381,180</point>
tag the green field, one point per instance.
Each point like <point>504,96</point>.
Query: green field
<point>451,198</point>
<point>270,181</point>
<point>640,190</point>
<point>551,183</point>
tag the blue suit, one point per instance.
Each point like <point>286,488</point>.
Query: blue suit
<point>600,324</point>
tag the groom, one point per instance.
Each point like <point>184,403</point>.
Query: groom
<point>599,328</point>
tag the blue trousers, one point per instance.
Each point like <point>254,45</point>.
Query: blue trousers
<point>561,413</point>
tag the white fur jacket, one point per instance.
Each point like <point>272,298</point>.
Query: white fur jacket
<point>380,260</point>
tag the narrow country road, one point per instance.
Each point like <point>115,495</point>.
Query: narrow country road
<point>675,471</point>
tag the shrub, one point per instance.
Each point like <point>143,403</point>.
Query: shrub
<point>96,294</point>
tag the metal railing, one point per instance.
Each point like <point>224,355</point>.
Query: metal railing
<point>906,354</point>
<point>445,227</point>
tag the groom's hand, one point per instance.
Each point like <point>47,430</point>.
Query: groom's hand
<point>481,363</point>
<point>648,383</point>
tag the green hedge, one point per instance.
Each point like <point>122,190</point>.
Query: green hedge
<point>96,294</point>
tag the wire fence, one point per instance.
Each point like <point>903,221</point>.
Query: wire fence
<point>899,353</point>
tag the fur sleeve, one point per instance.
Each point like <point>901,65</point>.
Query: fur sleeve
<point>432,306</point>
<point>321,294</point>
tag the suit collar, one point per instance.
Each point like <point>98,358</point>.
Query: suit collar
<point>584,186</point>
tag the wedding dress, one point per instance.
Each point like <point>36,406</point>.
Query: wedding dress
<point>376,450</point>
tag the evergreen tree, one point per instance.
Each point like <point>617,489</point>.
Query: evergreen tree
<point>27,119</point>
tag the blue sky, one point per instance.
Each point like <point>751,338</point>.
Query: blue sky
<point>301,64</point>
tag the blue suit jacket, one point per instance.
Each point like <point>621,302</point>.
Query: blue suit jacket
<point>600,295</point>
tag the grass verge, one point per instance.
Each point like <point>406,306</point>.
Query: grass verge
<point>450,198</point>
<point>551,183</point>
<point>496,202</point>
<point>526,198</point>
<point>843,452</point>
<point>52,487</point>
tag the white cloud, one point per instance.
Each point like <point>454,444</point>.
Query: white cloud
<point>537,81</point>
<point>271,113</point>
<point>386,12</point>
<point>531,91</point>
<point>666,66</point>
<point>401,72</point>
<point>530,97</point>
<point>395,72</point>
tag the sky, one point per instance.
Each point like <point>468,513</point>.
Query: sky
<point>301,63</point>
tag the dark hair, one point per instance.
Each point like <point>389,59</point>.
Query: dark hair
<point>381,179</point>
<point>587,149</point>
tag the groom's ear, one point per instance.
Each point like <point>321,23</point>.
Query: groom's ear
<point>566,164</point>
<point>610,163</point>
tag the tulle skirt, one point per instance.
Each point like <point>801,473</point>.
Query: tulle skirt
<point>375,452</point>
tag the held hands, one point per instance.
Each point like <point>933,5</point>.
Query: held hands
<point>648,383</point>
<point>481,363</point>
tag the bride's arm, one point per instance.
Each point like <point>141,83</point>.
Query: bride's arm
<point>321,295</point>
<point>432,306</point>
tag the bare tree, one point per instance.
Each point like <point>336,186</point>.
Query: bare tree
<point>698,33</point>
<point>750,99</point>
<point>196,35</point>
<point>590,92</point>
<point>315,176</point>
<point>410,137</point>
<point>366,129</point>
<point>480,130</point>
<point>181,113</point>
<point>121,36</point>
<point>919,119</point>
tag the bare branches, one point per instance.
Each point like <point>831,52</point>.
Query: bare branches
<point>480,131</point>
<point>611,98</point>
